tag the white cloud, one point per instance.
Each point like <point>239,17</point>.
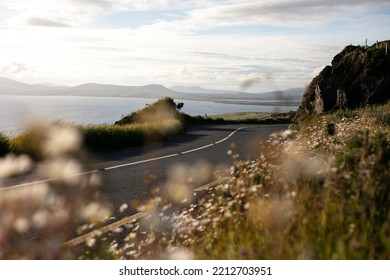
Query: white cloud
<point>286,13</point>
<point>184,50</point>
<point>13,67</point>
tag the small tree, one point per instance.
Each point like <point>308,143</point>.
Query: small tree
<point>179,106</point>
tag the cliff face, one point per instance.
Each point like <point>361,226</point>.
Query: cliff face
<point>357,76</point>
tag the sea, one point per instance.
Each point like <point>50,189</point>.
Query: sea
<point>17,112</point>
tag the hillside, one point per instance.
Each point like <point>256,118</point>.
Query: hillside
<point>156,91</point>
<point>357,76</point>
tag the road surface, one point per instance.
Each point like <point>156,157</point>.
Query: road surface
<point>130,174</point>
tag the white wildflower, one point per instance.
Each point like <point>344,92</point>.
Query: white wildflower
<point>13,165</point>
<point>61,140</point>
<point>177,189</point>
<point>132,235</point>
<point>286,133</point>
<point>91,242</point>
<point>117,230</point>
<point>21,225</point>
<point>62,169</point>
<point>39,218</point>
<point>123,207</point>
<point>94,211</point>
<point>179,254</point>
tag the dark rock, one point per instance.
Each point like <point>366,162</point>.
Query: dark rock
<point>358,76</point>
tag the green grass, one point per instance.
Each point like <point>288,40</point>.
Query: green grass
<point>4,145</point>
<point>322,193</point>
<point>111,137</point>
<point>242,116</point>
<point>96,137</point>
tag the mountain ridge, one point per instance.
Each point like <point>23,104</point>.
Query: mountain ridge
<point>12,87</point>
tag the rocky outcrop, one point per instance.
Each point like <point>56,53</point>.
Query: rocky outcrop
<point>357,76</point>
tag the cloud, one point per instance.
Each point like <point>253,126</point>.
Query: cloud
<point>13,68</point>
<point>279,12</point>
<point>55,13</point>
<point>198,46</point>
<point>39,21</point>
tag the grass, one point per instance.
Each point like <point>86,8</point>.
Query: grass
<point>156,122</point>
<point>111,137</point>
<point>4,145</point>
<point>318,193</point>
<point>98,138</point>
<point>243,116</point>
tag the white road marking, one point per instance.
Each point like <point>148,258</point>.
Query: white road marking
<point>126,220</point>
<point>126,164</point>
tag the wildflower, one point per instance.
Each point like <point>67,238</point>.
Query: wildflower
<point>61,140</point>
<point>177,189</point>
<point>132,235</point>
<point>91,242</point>
<point>21,225</point>
<point>286,133</point>
<point>39,218</point>
<point>179,254</point>
<point>63,169</point>
<point>94,211</point>
<point>13,165</point>
<point>123,207</point>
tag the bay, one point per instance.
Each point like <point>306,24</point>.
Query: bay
<point>16,112</point>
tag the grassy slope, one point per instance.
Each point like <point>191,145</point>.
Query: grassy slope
<point>323,195</point>
<point>156,122</point>
<point>318,193</point>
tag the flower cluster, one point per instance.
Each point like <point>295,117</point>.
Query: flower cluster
<point>308,195</point>
<point>44,200</point>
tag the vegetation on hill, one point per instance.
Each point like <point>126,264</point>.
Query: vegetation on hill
<point>156,122</point>
<point>358,76</point>
<point>162,110</point>
<point>4,144</point>
<point>167,109</point>
<point>318,193</point>
<point>318,190</point>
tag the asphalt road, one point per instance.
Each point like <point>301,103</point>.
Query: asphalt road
<point>130,174</point>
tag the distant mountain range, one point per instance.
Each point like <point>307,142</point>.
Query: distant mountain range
<point>286,97</point>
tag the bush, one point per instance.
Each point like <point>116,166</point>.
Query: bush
<point>4,145</point>
<point>330,129</point>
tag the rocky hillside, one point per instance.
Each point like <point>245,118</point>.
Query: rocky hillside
<point>357,76</point>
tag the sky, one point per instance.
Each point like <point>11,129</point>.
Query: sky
<point>247,45</point>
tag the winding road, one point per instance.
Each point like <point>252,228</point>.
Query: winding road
<point>130,174</point>
<point>194,158</point>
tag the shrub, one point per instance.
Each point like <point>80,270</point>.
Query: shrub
<point>330,129</point>
<point>4,145</point>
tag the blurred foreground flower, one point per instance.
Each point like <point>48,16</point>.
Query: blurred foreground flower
<point>37,218</point>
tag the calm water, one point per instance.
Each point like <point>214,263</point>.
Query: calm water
<point>16,111</point>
